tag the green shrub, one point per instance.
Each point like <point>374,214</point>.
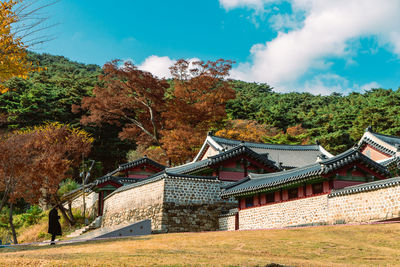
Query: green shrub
<point>32,216</point>
<point>66,186</point>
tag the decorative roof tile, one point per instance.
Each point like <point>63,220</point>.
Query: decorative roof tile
<point>385,143</point>
<point>135,163</point>
<point>289,155</point>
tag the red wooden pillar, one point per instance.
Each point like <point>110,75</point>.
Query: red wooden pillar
<point>256,201</point>
<point>325,186</point>
<point>242,203</point>
<point>285,195</point>
<point>237,221</point>
<point>277,196</point>
<point>308,190</point>
<point>100,204</point>
<point>263,199</point>
<point>300,191</point>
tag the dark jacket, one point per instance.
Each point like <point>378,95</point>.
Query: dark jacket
<point>54,224</point>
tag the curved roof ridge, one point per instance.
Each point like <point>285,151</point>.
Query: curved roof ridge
<point>138,162</point>
<point>255,176</point>
<point>243,148</point>
<point>269,145</point>
<point>381,134</point>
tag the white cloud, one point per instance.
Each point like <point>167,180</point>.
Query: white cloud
<point>230,4</point>
<point>369,86</point>
<point>328,30</point>
<point>158,66</point>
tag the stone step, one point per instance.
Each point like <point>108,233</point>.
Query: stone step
<point>93,225</point>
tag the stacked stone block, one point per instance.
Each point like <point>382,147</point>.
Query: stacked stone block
<point>173,204</point>
<point>368,204</point>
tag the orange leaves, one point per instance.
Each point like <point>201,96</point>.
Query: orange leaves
<point>129,97</point>
<point>13,56</point>
<point>154,113</point>
<point>247,130</point>
<point>34,161</point>
<point>197,104</point>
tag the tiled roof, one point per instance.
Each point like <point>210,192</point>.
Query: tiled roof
<point>144,160</point>
<point>390,139</point>
<point>189,167</point>
<point>258,182</point>
<point>382,142</point>
<point>241,149</point>
<point>365,187</point>
<point>290,155</point>
<point>119,180</point>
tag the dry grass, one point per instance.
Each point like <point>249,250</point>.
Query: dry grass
<point>34,233</point>
<point>365,245</point>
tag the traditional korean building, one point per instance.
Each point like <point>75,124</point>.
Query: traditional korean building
<point>186,197</point>
<point>132,172</point>
<point>257,194</point>
<point>379,147</point>
<point>286,156</point>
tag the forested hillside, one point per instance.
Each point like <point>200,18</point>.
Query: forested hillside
<point>47,96</point>
<point>337,121</point>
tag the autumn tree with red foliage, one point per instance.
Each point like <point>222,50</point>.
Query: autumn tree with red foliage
<point>128,97</point>
<point>197,104</point>
<point>35,161</point>
<point>157,115</point>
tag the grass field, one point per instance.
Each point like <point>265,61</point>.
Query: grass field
<point>363,245</point>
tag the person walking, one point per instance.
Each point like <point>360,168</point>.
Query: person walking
<point>54,225</point>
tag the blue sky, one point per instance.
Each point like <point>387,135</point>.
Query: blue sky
<point>317,46</point>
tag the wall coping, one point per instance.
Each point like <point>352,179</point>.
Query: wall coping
<point>228,214</point>
<point>371,186</point>
<point>163,176</point>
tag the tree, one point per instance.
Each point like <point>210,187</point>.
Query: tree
<point>128,97</point>
<point>20,25</point>
<point>13,57</point>
<point>35,161</point>
<point>159,116</point>
<point>247,130</point>
<point>196,104</point>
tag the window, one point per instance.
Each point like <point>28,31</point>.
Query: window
<point>293,193</point>
<point>317,188</point>
<point>249,202</point>
<point>270,197</point>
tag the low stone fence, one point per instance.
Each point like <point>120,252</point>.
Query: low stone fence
<point>135,203</point>
<point>227,222</point>
<point>289,213</point>
<point>91,203</point>
<point>173,204</point>
<point>367,202</point>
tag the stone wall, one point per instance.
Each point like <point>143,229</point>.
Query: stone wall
<point>227,222</point>
<point>368,202</point>
<point>289,213</point>
<point>91,203</point>
<point>192,191</point>
<point>135,203</point>
<point>193,205</point>
<point>376,205</point>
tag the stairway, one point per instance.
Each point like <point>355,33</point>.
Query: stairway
<point>96,223</point>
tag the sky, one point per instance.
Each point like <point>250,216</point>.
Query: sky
<point>316,46</point>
